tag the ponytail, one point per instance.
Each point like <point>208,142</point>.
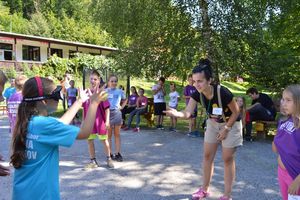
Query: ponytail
<point>25,111</point>
<point>33,88</point>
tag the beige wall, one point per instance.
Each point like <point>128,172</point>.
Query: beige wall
<point>43,48</point>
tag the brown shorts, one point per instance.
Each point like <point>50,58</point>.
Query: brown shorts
<point>233,139</point>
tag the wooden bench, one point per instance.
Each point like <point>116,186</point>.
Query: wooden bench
<point>263,127</point>
<point>149,116</point>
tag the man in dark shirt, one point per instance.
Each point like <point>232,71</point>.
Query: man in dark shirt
<point>262,108</point>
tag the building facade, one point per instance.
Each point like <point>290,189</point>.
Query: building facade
<point>18,49</point>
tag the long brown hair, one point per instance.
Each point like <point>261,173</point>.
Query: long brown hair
<point>25,111</point>
<point>295,91</point>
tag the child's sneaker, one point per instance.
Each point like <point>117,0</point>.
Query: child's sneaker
<point>118,157</point>
<point>225,198</point>
<point>200,194</point>
<point>110,163</point>
<point>93,164</point>
<point>136,130</point>
<point>113,156</point>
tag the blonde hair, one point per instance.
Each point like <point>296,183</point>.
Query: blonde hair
<point>20,81</point>
<point>295,91</point>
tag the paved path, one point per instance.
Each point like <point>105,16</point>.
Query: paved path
<point>157,165</point>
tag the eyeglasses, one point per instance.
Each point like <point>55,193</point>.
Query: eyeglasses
<point>114,81</point>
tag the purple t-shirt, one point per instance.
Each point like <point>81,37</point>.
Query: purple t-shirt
<point>287,141</point>
<point>132,99</point>
<point>188,91</point>
<point>12,107</point>
<point>99,125</point>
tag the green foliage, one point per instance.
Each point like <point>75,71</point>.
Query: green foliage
<point>10,72</point>
<point>258,40</point>
<point>56,66</point>
<point>155,38</point>
<point>33,70</point>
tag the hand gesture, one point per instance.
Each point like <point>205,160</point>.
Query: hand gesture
<point>222,134</point>
<point>99,95</point>
<point>107,125</point>
<point>171,112</point>
<point>294,187</point>
<point>84,95</point>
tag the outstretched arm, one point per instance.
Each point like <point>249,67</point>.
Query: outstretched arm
<point>71,112</point>
<point>186,113</point>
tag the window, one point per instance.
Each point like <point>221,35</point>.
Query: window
<point>7,50</point>
<point>58,52</point>
<point>31,53</point>
<point>95,54</point>
<point>72,53</point>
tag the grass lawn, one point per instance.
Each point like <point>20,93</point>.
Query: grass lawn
<point>182,125</point>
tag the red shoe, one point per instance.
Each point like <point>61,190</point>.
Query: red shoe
<point>136,129</point>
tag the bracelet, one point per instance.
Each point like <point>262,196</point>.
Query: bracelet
<point>227,128</point>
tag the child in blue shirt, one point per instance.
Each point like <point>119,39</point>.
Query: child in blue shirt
<point>37,136</point>
<point>115,96</point>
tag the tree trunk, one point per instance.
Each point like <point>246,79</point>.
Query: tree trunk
<point>209,46</point>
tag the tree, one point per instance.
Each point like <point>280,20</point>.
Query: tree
<point>154,38</point>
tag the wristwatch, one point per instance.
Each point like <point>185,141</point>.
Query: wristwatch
<point>227,128</point>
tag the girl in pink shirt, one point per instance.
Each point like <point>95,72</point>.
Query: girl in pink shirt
<point>101,125</point>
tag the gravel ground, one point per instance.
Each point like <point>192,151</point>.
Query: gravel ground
<point>157,165</point>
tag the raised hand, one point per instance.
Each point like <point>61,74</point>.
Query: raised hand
<point>84,95</point>
<point>99,95</point>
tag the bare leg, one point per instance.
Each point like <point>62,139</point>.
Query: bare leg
<point>106,147</point>
<point>110,138</point>
<point>208,163</point>
<point>91,148</point>
<point>157,120</point>
<point>229,169</point>
<point>117,138</point>
<point>161,120</point>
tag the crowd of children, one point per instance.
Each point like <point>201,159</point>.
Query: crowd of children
<point>35,148</point>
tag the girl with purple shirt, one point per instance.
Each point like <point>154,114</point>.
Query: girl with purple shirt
<point>131,104</point>
<point>287,143</point>
<point>141,108</point>
<point>14,101</point>
<point>187,93</point>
